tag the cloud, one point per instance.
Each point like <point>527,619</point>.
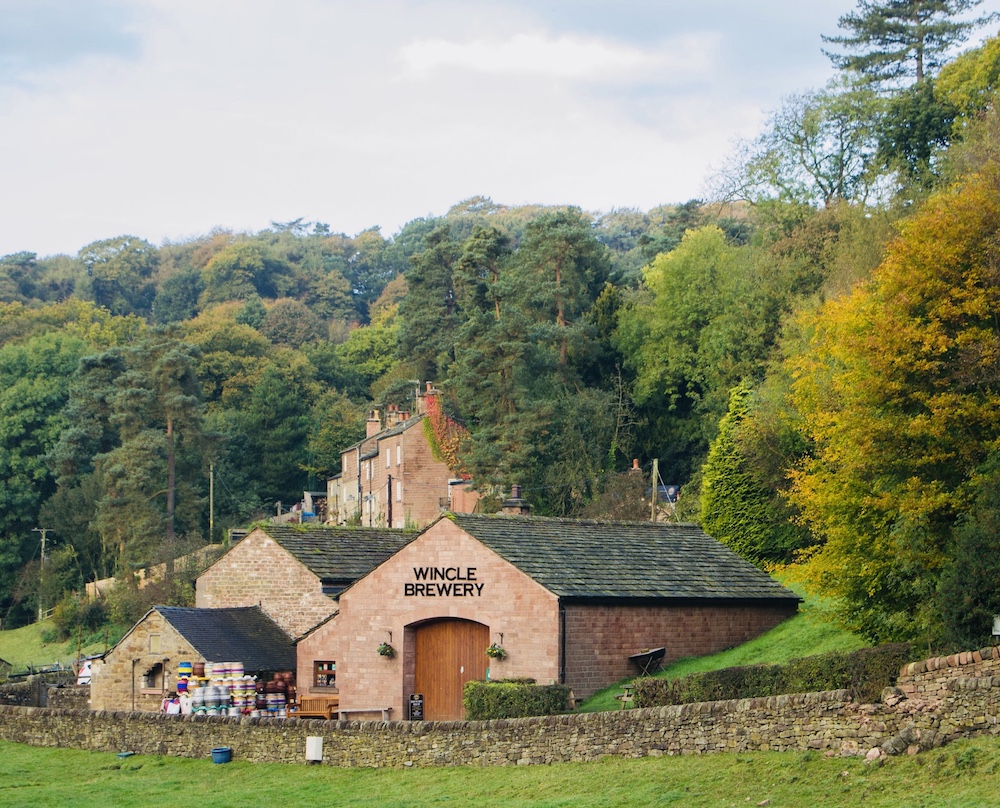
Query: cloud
<point>565,57</point>
<point>37,35</point>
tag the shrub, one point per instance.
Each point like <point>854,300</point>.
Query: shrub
<point>127,604</point>
<point>513,698</point>
<point>865,673</point>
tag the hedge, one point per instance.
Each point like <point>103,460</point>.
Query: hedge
<point>512,698</point>
<point>865,673</point>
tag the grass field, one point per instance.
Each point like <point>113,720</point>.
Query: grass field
<point>26,646</point>
<point>957,776</point>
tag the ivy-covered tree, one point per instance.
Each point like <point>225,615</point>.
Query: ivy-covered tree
<point>738,507</point>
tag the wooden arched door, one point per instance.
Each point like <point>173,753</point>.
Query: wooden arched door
<point>448,653</point>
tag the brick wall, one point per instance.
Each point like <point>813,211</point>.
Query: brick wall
<point>259,571</point>
<point>817,721</point>
<point>600,639</point>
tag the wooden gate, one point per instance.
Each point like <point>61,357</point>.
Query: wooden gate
<point>448,653</point>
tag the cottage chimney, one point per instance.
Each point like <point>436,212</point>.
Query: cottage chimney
<point>391,416</point>
<point>635,465</point>
<point>373,425</point>
<point>515,506</point>
<point>422,396</point>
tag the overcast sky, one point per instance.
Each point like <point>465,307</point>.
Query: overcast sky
<point>166,118</point>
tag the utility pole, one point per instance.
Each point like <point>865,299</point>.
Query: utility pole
<point>41,570</point>
<point>656,487</point>
<point>211,503</point>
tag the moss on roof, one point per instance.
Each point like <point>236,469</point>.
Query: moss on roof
<point>579,558</point>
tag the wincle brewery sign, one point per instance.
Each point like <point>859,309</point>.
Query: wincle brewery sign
<point>443,582</point>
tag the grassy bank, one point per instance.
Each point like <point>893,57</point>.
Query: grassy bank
<point>964,774</point>
<point>27,645</point>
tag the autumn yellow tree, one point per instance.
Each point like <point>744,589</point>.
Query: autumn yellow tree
<point>900,393</point>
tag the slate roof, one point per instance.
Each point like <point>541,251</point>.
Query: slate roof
<point>585,559</point>
<point>402,426</point>
<point>339,556</point>
<point>243,634</point>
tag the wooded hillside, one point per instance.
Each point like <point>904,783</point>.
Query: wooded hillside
<point>812,355</point>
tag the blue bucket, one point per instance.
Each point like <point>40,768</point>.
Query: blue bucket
<point>222,754</point>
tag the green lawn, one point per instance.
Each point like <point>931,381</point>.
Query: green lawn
<point>958,776</point>
<point>25,646</point>
<point>811,631</point>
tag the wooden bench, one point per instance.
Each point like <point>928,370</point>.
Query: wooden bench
<point>343,714</point>
<point>625,697</point>
<point>316,707</point>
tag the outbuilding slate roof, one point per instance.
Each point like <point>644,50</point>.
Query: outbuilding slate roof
<point>339,556</point>
<point>586,559</point>
<point>243,634</point>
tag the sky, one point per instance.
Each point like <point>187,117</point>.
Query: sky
<point>165,119</point>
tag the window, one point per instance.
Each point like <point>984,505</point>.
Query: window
<point>399,491</point>
<point>153,678</point>
<point>399,454</point>
<point>388,457</point>
<point>325,674</point>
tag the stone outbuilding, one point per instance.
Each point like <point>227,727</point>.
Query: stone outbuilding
<point>570,601</point>
<point>141,668</point>
<point>294,572</point>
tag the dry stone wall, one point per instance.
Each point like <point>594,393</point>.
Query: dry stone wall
<point>930,677</point>
<point>821,721</point>
<point>936,702</point>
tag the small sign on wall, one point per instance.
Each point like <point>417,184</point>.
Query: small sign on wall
<point>416,706</point>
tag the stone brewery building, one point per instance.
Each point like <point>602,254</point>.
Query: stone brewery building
<point>392,623</point>
<point>568,601</point>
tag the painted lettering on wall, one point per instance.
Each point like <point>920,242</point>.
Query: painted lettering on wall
<point>444,582</point>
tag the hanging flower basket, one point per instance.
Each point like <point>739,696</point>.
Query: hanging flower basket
<point>496,652</point>
<point>386,650</point>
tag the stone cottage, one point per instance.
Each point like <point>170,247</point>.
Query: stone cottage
<point>142,667</point>
<point>396,477</point>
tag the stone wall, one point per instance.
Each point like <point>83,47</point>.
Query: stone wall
<point>930,677</point>
<point>75,697</point>
<point>827,722</point>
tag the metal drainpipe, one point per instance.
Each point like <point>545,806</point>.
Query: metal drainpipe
<point>562,643</point>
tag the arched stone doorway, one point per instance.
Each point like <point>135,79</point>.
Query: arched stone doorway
<point>448,652</point>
